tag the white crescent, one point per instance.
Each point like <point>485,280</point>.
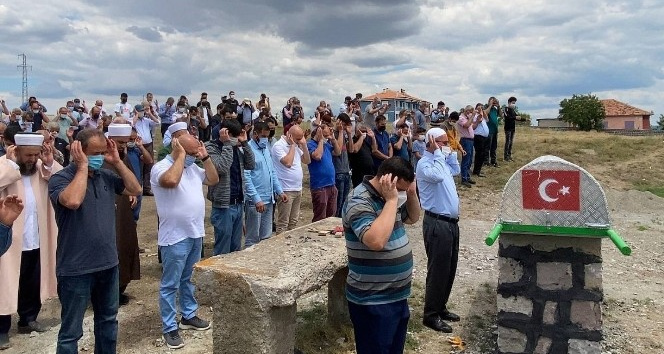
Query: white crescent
<point>542,190</point>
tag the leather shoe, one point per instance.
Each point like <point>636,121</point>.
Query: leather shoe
<point>32,326</point>
<point>466,184</point>
<point>480,175</point>
<point>471,181</point>
<point>449,316</point>
<point>437,324</point>
<point>148,194</point>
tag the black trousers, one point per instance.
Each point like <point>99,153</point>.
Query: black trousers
<point>29,299</point>
<point>441,242</point>
<point>509,139</point>
<point>490,148</point>
<point>479,143</point>
<point>147,168</point>
<point>164,128</point>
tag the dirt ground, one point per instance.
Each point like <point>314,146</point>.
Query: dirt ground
<point>634,289</point>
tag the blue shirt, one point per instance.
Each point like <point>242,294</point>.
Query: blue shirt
<point>375,277</point>
<point>166,113</point>
<point>403,152</point>
<point>86,236</point>
<point>435,181</point>
<point>5,238</point>
<point>261,183</point>
<point>321,173</point>
<point>383,142</point>
<point>418,146</point>
<point>482,129</point>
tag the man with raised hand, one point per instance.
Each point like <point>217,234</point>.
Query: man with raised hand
<point>178,181</point>
<point>83,195</point>
<point>440,228</point>
<point>27,269</point>
<point>380,260</point>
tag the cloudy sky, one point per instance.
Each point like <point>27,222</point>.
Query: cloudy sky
<point>458,51</point>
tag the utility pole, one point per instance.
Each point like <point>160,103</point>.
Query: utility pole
<point>24,67</point>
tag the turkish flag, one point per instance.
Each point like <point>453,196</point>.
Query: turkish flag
<point>551,190</point>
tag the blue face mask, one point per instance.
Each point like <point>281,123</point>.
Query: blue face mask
<point>262,143</point>
<point>189,160</point>
<point>95,162</point>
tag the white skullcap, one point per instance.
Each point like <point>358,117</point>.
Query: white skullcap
<point>119,130</point>
<point>176,127</point>
<point>29,139</point>
<point>435,133</point>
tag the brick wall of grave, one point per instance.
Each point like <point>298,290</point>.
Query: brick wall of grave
<point>549,294</point>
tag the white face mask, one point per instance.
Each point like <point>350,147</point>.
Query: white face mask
<point>403,196</point>
<point>446,150</point>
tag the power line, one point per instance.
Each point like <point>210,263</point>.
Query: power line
<point>24,67</point>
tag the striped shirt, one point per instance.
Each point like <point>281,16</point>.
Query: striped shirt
<point>375,277</point>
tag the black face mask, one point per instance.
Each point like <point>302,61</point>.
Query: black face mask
<point>382,129</point>
<point>271,133</point>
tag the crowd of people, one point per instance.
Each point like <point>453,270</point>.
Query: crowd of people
<point>72,187</point>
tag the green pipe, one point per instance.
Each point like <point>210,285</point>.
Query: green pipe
<point>619,242</point>
<point>493,235</point>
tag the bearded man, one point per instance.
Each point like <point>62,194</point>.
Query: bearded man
<point>27,269</point>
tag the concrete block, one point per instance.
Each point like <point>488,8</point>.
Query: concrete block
<point>593,276</point>
<point>254,293</point>
<point>543,345</point>
<point>511,340</point>
<point>511,270</point>
<point>554,276</point>
<point>578,346</point>
<point>586,314</point>
<point>550,313</point>
<point>516,304</point>
<point>591,246</point>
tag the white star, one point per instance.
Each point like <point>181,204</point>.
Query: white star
<point>564,190</point>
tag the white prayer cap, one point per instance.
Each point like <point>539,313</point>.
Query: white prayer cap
<point>176,127</point>
<point>435,133</point>
<point>119,130</point>
<point>29,139</point>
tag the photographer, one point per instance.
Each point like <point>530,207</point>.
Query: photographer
<point>374,110</point>
<point>492,111</point>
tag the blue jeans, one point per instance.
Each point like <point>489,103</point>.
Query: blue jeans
<point>227,224</point>
<point>259,225</point>
<point>380,329</point>
<point>178,264</point>
<point>343,188</point>
<point>467,159</point>
<point>137,208</point>
<point>74,292</point>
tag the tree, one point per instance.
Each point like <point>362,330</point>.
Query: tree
<point>660,122</point>
<point>586,112</point>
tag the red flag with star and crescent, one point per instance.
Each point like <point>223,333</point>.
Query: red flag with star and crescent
<point>551,190</point>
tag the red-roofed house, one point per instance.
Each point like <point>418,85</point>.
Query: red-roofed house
<point>620,115</point>
<point>398,99</point>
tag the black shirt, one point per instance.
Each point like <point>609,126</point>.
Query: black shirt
<point>361,162</point>
<point>86,236</point>
<point>510,119</point>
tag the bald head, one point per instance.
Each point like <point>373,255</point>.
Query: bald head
<point>296,133</point>
<point>188,141</point>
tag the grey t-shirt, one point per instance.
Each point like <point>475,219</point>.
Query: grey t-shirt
<point>86,236</point>
<point>341,162</point>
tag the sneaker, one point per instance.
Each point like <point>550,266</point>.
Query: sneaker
<point>32,326</point>
<point>195,323</point>
<point>123,299</point>
<point>173,339</point>
<point>4,341</point>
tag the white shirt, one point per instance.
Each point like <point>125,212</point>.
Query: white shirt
<point>144,129</point>
<point>290,177</point>
<point>181,209</point>
<point>31,227</point>
<point>124,109</point>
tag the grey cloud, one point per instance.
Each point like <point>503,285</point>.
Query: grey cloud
<point>150,34</point>
<point>378,61</point>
